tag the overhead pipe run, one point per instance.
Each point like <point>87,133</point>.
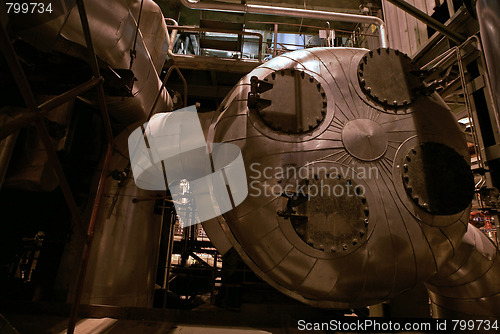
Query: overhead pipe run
<point>428,20</point>
<point>291,12</point>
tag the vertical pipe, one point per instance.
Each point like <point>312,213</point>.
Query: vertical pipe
<point>170,246</point>
<point>102,181</point>
<point>488,13</point>
<point>430,21</point>
<point>173,36</point>
<point>275,51</point>
<point>291,12</point>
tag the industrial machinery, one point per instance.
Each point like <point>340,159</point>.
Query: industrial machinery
<point>313,125</point>
<point>359,176</point>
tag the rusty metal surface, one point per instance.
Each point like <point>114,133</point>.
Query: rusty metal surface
<point>291,12</point>
<point>334,250</point>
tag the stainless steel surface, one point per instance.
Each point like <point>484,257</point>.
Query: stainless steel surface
<point>488,12</point>
<point>291,12</point>
<point>335,250</point>
<point>112,26</point>
<point>173,36</point>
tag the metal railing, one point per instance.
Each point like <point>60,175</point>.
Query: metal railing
<point>223,31</point>
<point>448,59</point>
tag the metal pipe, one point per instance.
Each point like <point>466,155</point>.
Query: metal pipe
<point>488,12</point>
<point>102,180</point>
<point>173,36</point>
<point>468,107</point>
<point>69,95</point>
<point>291,12</point>
<point>430,21</point>
<point>184,83</point>
<point>29,98</point>
<point>133,51</point>
<point>6,150</point>
<point>17,123</point>
<point>347,32</point>
<point>188,28</point>
<point>275,38</point>
<point>95,70</point>
<point>170,248</point>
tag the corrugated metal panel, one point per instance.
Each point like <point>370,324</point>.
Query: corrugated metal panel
<point>405,32</point>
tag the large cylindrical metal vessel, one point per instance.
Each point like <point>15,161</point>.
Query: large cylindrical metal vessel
<point>359,177</point>
<point>116,39</point>
<point>124,256</point>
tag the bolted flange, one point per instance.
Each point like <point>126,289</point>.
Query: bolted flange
<point>296,103</point>
<point>437,179</point>
<point>386,77</point>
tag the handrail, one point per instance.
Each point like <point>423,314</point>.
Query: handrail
<point>172,37</point>
<point>291,12</point>
<point>164,82</point>
<point>223,31</point>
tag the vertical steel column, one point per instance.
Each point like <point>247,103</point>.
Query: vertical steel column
<point>430,21</point>
<point>102,181</point>
<point>275,51</point>
<point>488,13</point>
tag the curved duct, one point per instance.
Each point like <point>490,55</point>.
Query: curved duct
<point>467,286</point>
<point>291,12</point>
